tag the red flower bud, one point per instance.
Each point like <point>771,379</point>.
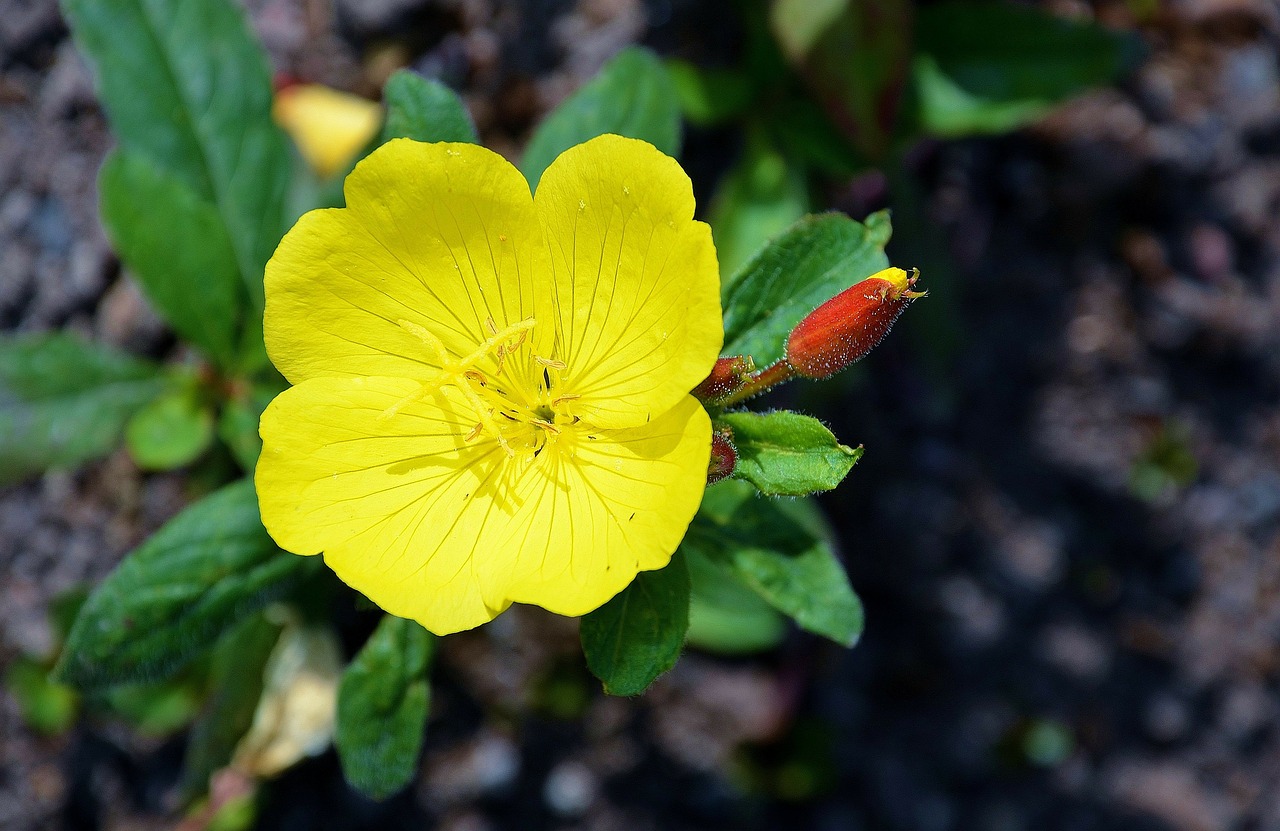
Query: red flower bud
<point>724,456</point>
<point>848,326</point>
<point>726,378</point>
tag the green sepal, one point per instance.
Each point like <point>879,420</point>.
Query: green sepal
<point>424,110</point>
<point>632,96</point>
<point>383,700</point>
<point>788,454</point>
<point>637,636</point>
<point>207,569</point>
<point>812,261</point>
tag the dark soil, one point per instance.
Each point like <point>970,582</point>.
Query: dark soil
<point>1066,527</point>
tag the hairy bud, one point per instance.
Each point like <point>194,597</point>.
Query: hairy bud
<point>727,377</point>
<point>845,328</point>
<point>724,457</point>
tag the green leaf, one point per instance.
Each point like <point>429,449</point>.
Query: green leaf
<point>633,96</point>
<point>768,546</point>
<point>813,261</point>
<point>187,88</point>
<point>710,96</point>
<point>759,198</point>
<point>788,454</point>
<point>236,679</point>
<point>424,110</point>
<point>205,570</point>
<point>855,56</point>
<point>725,615</point>
<point>64,401</point>
<point>158,709</point>
<point>171,431</point>
<point>637,635</point>
<point>46,706</point>
<point>988,67</point>
<point>238,425</point>
<point>382,708</point>
<point>176,247</point>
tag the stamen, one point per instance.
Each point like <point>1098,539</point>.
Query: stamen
<point>549,362</point>
<point>556,402</point>
<point>423,334</point>
<point>475,432</point>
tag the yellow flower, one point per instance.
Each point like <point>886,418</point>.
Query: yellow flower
<point>491,389</point>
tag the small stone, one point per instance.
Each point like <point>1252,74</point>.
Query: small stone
<point>570,789</point>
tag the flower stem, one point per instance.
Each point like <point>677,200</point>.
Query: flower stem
<point>758,382</point>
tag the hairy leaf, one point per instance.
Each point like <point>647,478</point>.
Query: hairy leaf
<point>637,635</point>
<point>176,246</point>
<point>788,454</point>
<point>632,96</point>
<point>207,569</point>
<point>812,261</point>
<point>424,110</point>
<point>382,708</point>
<point>766,546</point>
<point>186,87</point>
<point>64,401</point>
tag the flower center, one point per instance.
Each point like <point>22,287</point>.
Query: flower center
<point>517,395</point>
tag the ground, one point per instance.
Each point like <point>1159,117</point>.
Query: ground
<point>1065,529</point>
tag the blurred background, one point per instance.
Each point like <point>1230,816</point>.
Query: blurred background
<point>1065,529</point>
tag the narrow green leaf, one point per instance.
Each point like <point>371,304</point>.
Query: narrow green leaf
<point>811,262</point>
<point>236,679</point>
<point>637,635</point>
<point>987,67</point>
<point>208,568</point>
<point>788,454</point>
<point>759,198</point>
<point>176,247</point>
<point>424,110</point>
<point>633,96</point>
<point>770,549</point>
<point>382,708</point>
<point>64,401</point>
<point>171,431</point>
<point>188,88</point>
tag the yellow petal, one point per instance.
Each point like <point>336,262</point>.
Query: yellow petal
<point>621,506</point>
<point>329,126</point>
<point>636,287</point>
<point>442,236</point>
<point>450,533</point>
